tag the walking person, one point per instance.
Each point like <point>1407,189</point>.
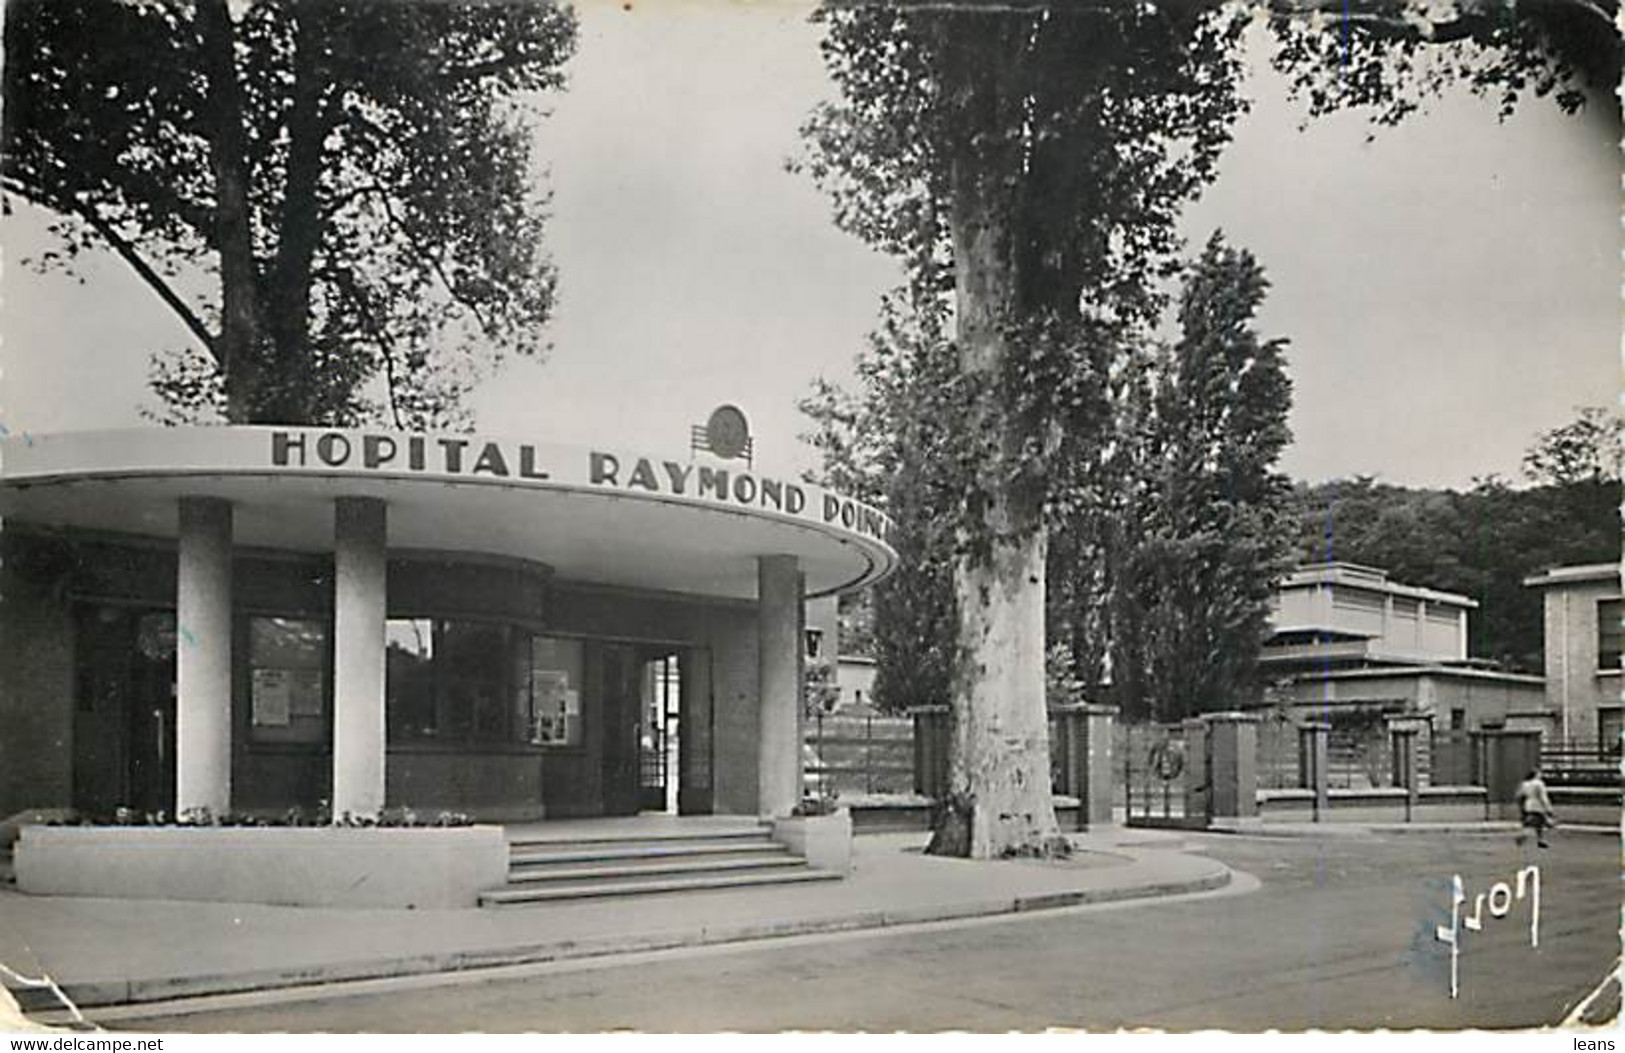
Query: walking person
<point>1535,806</point>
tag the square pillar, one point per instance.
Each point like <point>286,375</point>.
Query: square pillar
<point>1096,779</point>
<point>1083,745</point>
<point>203,656</point>
<point>1508,756</point>
<point>1314,742</point>
<point>1198,791</point>
<point>1232,765</point>
<point>779,684</point>
<point>360,604</point>
<point>1404,734</point>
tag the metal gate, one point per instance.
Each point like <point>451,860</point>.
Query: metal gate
<point>1158,766</point>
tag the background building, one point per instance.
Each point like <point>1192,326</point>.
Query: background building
<point>1583,611</point>
<point>1352,647</point>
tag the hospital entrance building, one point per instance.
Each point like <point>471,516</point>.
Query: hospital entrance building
<point>262,619</point>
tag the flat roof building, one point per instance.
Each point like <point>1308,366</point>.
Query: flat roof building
<point>1351,646</point>
<point>258,619</point>
<point>1347,615</point>
<point>1583,619</point>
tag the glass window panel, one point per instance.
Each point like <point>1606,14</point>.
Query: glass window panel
<point>555,692</point>
<point>472,678</point>
<point>409,679</point>
<point>287,679</point>
<point>1609,633</point>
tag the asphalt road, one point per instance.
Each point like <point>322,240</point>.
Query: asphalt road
<point>1339,935</point>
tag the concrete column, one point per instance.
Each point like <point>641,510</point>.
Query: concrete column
<point>1403,733</point>
<point>203,657</point>
<point>1066,749</point>
<point>1198,791</point>
<point>1314,739</point>
<point>1509,755</point>
<point>360,531</point>
<point>1082,745</point>
<point>1233,765</point>
<point>1096,779</point>
<point>779,686</point>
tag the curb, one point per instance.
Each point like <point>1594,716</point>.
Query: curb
<point>1490,828</point>
<point>1496,829</point>
<point>109,993</point>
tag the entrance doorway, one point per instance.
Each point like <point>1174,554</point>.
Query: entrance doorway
<point>124,713</point>
<point>661,734</point>
<point>656,706</point>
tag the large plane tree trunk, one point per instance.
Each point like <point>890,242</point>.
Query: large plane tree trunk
<point>239,346</point>
<point>999,801</point>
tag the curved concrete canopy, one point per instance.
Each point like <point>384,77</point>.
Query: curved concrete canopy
<point>693,525</point>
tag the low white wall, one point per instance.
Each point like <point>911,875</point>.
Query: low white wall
<point>1380,805</point>
<point>1588,805</point>
<point>425,867</point>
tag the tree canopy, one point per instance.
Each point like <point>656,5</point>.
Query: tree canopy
<point>1029,160</point>
<point>1032,162</point>
<point>1204,527</point>
<point>335,197</point>
<point>1389,56</point>
<point>1483,541</point>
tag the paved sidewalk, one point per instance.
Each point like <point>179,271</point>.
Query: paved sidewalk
<point>1485,828</point>
<point>109,952</point>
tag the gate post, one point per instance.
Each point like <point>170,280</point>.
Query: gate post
<point>930,751</point>
<point>1233,765</point>
<point>1095,798</point>
<point>1198,794</point>
<point>1313,743</point>
<point>1508,756</point>
<point>1403,733</point>
<point>1083,744</point>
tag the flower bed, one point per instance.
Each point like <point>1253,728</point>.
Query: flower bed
<point>333,866</point>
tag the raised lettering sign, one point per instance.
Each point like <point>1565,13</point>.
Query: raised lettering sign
<point>382,453</point>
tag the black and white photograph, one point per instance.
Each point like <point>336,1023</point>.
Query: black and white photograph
<point>839,516</point>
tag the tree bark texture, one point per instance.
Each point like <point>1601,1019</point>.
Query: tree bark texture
<point>999,799</point>
<point>288,319</point>
<point>239,344</point>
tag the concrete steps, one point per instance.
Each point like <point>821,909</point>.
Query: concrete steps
<point>642,868</point>
<point>635,852</point>
<point>549,867</point>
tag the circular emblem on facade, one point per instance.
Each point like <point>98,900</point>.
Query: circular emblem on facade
<point>727,432</point>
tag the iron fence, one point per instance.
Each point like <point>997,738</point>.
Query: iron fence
<point>848,756</point>
<point>1278,753</point>
<point>1580,762</point>
<point>1359,758</point>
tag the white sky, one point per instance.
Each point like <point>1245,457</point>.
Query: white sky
<point>1450,289</point>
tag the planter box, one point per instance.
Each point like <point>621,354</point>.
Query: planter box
<point>424,867</point>
<point>824,840</point>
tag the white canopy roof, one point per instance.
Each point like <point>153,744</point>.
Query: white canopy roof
<point>693,525</point>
